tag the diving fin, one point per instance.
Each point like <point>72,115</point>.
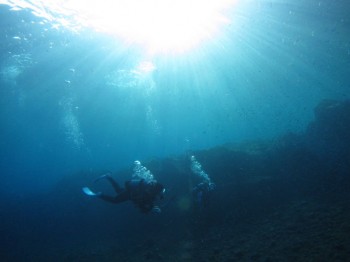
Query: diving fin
<point>88,192</point>
<point>156,209</point>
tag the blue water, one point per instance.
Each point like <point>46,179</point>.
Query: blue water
<point>72,101</point>
<point>78,101</point>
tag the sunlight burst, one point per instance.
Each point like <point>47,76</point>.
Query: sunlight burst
<point>159,26</point>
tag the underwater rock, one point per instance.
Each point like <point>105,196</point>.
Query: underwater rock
<point>328,136</point>
<point>332,121</point>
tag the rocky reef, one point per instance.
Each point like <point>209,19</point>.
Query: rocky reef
<point>281,200</point>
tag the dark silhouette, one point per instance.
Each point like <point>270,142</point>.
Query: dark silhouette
<point>141,192</point>
<point>202,192</point>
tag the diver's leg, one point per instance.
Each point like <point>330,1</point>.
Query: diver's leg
<point>114,184</point>
<point>122,197</point>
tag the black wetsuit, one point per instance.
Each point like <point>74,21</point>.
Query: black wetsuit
<point>141,193</point>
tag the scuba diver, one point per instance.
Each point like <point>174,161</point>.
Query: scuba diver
<point>201,193</point>
<point>141,192</point>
